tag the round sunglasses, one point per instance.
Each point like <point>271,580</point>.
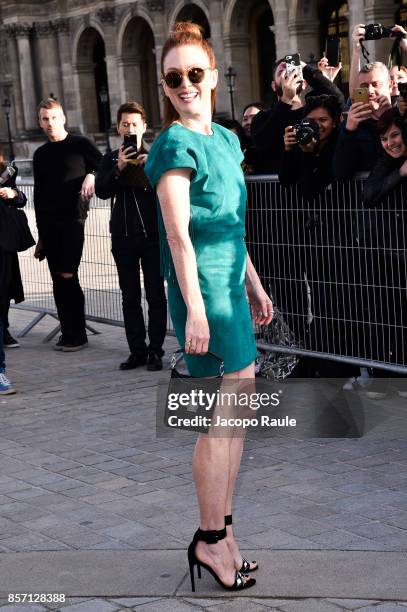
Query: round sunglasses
<point>173,78</point>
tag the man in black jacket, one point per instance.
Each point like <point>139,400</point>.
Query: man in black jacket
<point>267,128</point>
<point>134,230</point>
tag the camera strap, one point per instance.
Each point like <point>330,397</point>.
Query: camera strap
<point>365,52</point>
<point>394,55</point>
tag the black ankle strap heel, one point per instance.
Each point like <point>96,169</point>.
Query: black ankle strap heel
<point>246,565</point>
<point>213,537</point>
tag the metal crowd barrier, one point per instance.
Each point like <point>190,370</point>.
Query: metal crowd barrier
<point>97,272</point>
<point>336,271</point>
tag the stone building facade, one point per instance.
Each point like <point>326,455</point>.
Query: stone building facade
<point>79,50</point>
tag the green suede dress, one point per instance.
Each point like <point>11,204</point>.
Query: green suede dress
<point>217,230</point>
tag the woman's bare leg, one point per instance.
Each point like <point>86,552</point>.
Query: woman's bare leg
<point>236,451</point>
<point>213,475</point>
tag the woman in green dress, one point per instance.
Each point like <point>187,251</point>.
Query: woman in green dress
<point>195,167</point>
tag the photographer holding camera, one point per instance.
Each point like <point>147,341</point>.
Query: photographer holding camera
<point>267,128</point>
<point>134,229</point>
<point>309,146</point>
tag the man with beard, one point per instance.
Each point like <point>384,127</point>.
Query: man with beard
<point>267,127</point>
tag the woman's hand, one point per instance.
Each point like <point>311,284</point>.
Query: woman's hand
<point>261,305</point>
<point>290,138</point>
<point>6,193</point>
<point>196,333</point>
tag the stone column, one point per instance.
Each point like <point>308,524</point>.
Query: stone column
<point>15,93</point>
<point>28,95</point>
<point>48,60</point>
<point>107,17</point>
<point>303,28</point>
<point>356,14</point>
<point>237,54</point>
<point>70,92</point>
<point>379,11</point>
<point>280,29</point>
<point>160,32</point>
<point>216,21</point>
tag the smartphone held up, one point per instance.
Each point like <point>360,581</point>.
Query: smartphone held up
<point>293,65</point>
<point>130,141</point>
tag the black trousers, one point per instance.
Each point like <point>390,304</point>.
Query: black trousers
<point>129,254</point>
<point>63,245</point>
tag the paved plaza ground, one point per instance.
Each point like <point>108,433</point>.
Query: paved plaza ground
<point>93,505</point>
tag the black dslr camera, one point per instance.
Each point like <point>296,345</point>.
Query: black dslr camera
<point>375,31</point>
<point>306,130</point>
<point>402,87</point>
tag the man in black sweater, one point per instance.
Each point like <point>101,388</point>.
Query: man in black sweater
<point>134,229</point>
<point>267,128</point>
<point>64,179</point>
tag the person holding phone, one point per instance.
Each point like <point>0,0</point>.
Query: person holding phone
<point>358,146</point>
<point>134,229</point>
<point>195,167</point>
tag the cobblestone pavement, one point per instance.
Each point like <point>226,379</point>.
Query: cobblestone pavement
<point>82,470</point>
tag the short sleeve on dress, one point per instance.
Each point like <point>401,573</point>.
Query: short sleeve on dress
<point>168,153</point>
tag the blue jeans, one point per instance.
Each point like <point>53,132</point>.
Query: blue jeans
<point>2,356</point>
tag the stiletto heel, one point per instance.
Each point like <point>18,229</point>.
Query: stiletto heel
<point>212,537</point>
<point>245,563</point>
<point>191,561</point>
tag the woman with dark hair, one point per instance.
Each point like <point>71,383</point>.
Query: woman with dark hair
<point>391,168</point>
<point>309,146</point>
<point>384,235</point>
<point>195,167</point>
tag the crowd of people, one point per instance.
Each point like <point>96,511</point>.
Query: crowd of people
<point>311,136</point>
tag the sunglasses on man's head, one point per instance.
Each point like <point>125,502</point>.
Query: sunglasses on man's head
<point>173,78</point>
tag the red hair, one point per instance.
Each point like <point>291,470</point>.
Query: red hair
<point>185,33</point>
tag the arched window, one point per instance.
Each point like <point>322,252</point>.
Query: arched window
<point>191,12</point>
<point>334,21</point>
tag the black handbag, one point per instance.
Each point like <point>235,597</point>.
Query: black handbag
<point>15,234</point>
<point>189,387</point>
